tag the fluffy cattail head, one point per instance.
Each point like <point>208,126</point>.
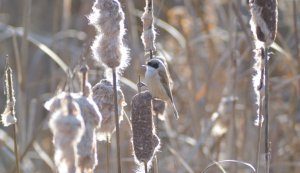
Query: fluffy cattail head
<point>87,151</point>
<point>145,142</point>
<point>264,20</point>
<point>103,95</point>
<point>67,126</point>
<point>148,35</point>
<point>108,19</point>
<point>8,116</point>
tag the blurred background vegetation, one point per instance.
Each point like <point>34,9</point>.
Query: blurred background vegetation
<point>208,46</point>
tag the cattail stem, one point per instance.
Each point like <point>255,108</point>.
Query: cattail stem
<point>16,147</point>
<point>107,153</point>
<point>83,83</point>
<point>145,166</point>
<point>84,72</point>
<point>259,134</point>
<point>117,119</point>
<point>267,149</point>
<point>296,32</point>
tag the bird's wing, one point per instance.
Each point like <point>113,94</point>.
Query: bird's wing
<point>164,79</point>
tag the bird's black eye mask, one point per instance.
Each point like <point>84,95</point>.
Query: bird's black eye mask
<point>153,64</point>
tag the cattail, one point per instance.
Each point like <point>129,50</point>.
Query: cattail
<point>103,95</point>
<point>148,35</point>
<point>145,141</point>
<point>8,116</point>
<point>87,148</point>
<point>108,18</point>
<point>67,126</point>
<point>264,27</point>
<point>264,20</point>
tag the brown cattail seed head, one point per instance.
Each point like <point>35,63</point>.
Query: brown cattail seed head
<point>145,142</point>
<point>67,126</point>
<point>103,95</point>
<point>148,35</point>
<point>264,20</point>
<point>108,19</point>
<point>8,116</point>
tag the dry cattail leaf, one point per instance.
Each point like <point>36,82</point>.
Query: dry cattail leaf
<point>103,95</point>
<point>145,141</point>
<point>108,18</point>
<point>87,149</point>
<point>264,20</point>
<point>148,35</point>
<point>67,126</point>
<point>8,116</point>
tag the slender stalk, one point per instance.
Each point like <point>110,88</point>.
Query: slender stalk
<point>267,149</point>
<point>145,166</point>
<point>155,167</point>
<point>11,99</point>
<point>117,118</point>
<point>259,135</point>
<point>151,54</point>
<point>296,32</point>
<point>107,153</point>
<point>16,147</point>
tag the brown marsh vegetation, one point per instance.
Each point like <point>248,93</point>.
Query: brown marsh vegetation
<point>87,69</point>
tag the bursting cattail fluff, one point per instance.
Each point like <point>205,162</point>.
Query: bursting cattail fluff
<point>145,141</point>
<point>148,35</point>
<point>103,95</point>
<point>264,18</point>
<point>67,126</point>
<point>258,83</point>
<point>8,116</point>
<point>87,148</point>
<point>108,18</point>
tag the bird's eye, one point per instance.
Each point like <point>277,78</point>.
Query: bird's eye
<point>153,64</point>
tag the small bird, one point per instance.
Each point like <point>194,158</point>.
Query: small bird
<point>158,81</point>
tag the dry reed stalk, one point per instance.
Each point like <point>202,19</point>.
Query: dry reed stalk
<point>296,32</point>
<point>108,18</point>
<point>8,117</point>
<point>145,141</point>
<point>264,27</point>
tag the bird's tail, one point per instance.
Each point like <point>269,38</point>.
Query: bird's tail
<point>175,111</point>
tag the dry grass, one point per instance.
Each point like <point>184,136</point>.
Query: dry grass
<point>208,47</point>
